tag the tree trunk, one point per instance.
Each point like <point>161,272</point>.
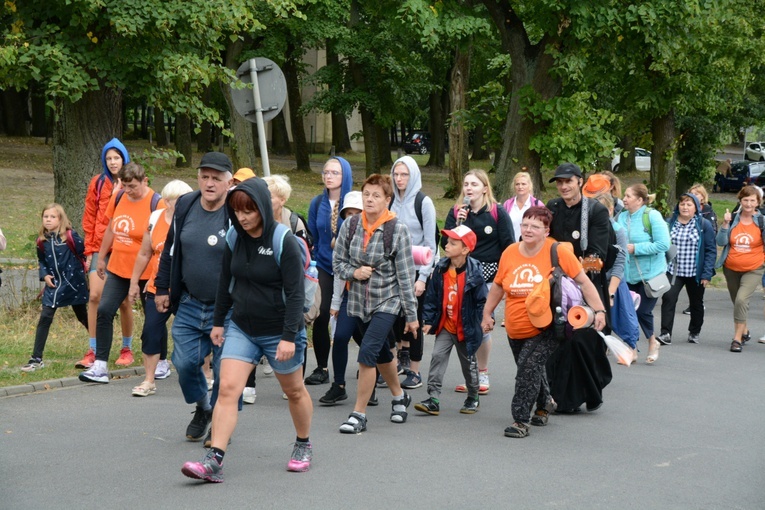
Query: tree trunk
<point>280,138</point>
<point>458,143</point>
<point>532,64</point>
<point>384,148</point>
<point>160,134</point>
<point>183,140</point>
<point>80,131</point>
<point>627,155</point>
<point>663,168</point>
<point>291,74</point>
<point>367,118</point>
<point>144,121</point>
<point>39,113</point>
<point>340,137</point>
<point>437,139</point>
<point>243,143</point>
<point>15,112</point>
<point>480,153</point>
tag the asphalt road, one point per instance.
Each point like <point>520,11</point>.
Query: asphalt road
<point>682,433</point>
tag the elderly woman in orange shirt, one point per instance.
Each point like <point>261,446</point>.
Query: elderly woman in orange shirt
<point>530,333</point>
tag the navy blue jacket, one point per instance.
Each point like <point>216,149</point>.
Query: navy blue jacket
<point>706,252</point>
<point>57,259</point>
<point>473,301</point>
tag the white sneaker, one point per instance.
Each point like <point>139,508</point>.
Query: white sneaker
<point>249,395</point>
<point>762,339</point>
<point>210,384</point>
<point>163,370</point>
<point>483,383</point>
<point>95,374</point>
<point>266,366</point>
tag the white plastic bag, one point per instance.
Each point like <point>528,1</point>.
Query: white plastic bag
<point>332,326</point>
<point>622,352</point>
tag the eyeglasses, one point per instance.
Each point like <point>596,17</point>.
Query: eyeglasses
<point>526,226</point>
<point>397,176</point>
<point>331,173</point>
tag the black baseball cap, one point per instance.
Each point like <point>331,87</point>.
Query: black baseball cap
<point>216,161</point>
<point>566,171</point>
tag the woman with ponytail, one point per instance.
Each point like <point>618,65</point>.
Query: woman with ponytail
<point>324,223</point>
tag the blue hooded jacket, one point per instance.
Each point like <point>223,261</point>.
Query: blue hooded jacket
<point>320,219</point>
<point>57,260</point>
<point>706,251</point>
<point>650,248</point>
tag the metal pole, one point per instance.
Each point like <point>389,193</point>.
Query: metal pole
<point>259,117</point>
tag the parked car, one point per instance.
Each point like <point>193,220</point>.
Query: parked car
<point>741,174</point>
<point>642,160</point>
<point>418,143</point>
<point>755,151</point>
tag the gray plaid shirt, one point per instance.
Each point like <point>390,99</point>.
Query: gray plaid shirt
<point>391,286</point>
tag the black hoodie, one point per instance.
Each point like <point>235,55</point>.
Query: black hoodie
<point>267,299</point>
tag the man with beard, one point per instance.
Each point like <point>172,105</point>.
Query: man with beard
<point>579,370</point>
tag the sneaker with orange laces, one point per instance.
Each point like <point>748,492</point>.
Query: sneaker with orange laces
<point>87,360</point>
<point>126,357</point>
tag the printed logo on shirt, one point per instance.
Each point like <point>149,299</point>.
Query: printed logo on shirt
<point>123,225</point>
<point>265,251</point>
<point>522,280</point>
<point>222,232</point>
<point>451,300</point>
<point>743,242</point>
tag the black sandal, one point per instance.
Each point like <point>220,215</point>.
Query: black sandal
<point>517,430</point>
<point>735,346</point>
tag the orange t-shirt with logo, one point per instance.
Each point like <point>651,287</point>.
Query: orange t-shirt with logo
<point>158,236</point>
<point>128,221</point>
<point>518,274</point>
<point>452,301</point>
<point>745,252</point>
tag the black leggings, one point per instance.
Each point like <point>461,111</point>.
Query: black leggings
<point>46,319</point>
<point>321,340</point>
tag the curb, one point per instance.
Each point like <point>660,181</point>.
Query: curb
<point>66,382</point>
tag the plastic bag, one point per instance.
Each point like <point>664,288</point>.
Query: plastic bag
<point>622,352</point>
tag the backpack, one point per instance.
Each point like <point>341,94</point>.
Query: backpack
<point>561,285</point>
<point>312,298</point>
<point>72,248</point>
<point>154,199</point>
<point>418,211</point>
<point>388,230</point>
<point>305,234</point>
<point>672,252</point>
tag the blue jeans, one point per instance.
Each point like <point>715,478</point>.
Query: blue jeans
<point>243,347</point>
<point>645,310</point>
<point>191,343</point>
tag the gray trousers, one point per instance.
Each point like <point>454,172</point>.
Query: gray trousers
<point>741,286</point>
<point>439,362</point>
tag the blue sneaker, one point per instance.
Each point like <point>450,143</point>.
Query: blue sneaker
<point>208,469</point>
<point>381,382</point>
<point>413,380</point>
<point>95,375</point>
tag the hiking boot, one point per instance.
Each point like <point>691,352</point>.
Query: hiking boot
<point>413,380</point>
<point>540,418</point>
<point>249,395</point>
<point>33,364</point>
<point>126,357</point>
<point>302,454</point>
<point>318,376</point>
<point>399,415</point>
<point>429,406</point>
<point>664,339</point>
<point>95,375</point>
<point>163,369</point>
<point>198,425</point>
<point>207,469</point>
<point>355,424</point>
<point>87,360</point>
<point>470,406</point>
<point>335,394</point>
<point>693,339</point>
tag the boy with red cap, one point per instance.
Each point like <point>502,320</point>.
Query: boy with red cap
<point>453,309</point>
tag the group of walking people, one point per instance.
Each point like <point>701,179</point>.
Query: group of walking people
<point>227,262</point>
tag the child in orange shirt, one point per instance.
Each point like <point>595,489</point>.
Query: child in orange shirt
<point>454,302</point>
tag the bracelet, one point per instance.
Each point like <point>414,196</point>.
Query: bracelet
<point>599,311</point>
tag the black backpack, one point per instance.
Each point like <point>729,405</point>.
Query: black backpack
<point>305,234</point>
<point>418,198</point>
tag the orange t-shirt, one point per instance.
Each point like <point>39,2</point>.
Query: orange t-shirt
<point>158,237</point>
<point>129,221</point>
<point>518,274</point>
<point>746,250</point>
<point>452,301</point>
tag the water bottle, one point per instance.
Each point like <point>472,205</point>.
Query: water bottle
<point>559,321</point>
<point>311,283</point>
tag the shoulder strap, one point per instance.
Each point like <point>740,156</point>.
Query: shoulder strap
<point>647,222</point>
<point>353,223</point>
<point>119,197</point>
<point>277,242</point>
<point>293,221</point>
<point>155,200</point>
<point>493,212</point>
<point>389,228</point>
<point>155,215</point>
<point>231,236</point>
<point>418,206</point>
<point>584,225</point>
<point>554,255</point>
<point>40,245</point>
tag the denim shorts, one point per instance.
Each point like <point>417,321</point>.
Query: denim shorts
<point>243,347</point>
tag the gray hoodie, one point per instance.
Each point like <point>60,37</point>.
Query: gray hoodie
<point>403,206</point>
